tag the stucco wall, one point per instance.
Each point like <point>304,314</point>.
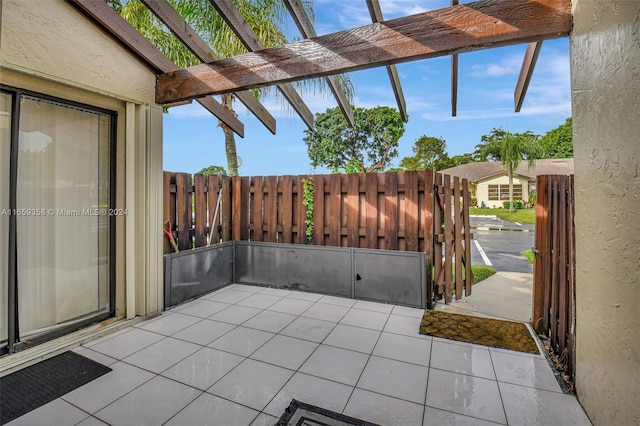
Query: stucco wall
<point>605,80</point>
<point>51,38</point>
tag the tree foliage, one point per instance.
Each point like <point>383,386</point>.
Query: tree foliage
<point>213,170</point>
<point>368,146</point>
<point>558,143</point>
<point>428,153</point>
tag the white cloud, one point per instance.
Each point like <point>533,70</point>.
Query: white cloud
<point>506,66</point>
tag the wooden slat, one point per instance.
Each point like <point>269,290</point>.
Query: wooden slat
<point>256,208</point>
<point>225,208</point>
<point>528,65</point>
<point>192,40</point>
<point>555,282</point>
<point>352,210</point>
<point>427,226</point>
<point>562,263</point>
<point>318,209</point>
<point>245,186</point>
<point>376,16</point>
<point>305,26</point>
<point>437,226</point>
<point>249,38</point>
<point>213,192</point>
<point>466,199</point>
<point>287,209</point>
<point>121,30</point>
<point>270,208</point>
<point>571,280</point>
<point>411,210</point>
<point>455,29</point>
<point>448,239</point>
<point>391,211</point>
<point>200,196</point>
<point>183,203</point>
<point>371,212</point>
<point>301,227</point>
<point>335,210</point>
<point>166,209</point>
<point>457,237</point>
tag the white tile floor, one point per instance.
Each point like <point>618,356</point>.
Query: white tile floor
<point>238,356</point>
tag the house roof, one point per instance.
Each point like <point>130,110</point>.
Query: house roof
<point>479,171</point>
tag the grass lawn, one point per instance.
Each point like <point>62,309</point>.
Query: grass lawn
<point>520,216</point>
<point>481,272</point>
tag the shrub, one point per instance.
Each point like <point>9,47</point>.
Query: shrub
<point>517,204</point>
<point>474,202</point>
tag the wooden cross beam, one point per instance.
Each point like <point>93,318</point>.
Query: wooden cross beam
<point>528,64</point>
<point>455,29</point>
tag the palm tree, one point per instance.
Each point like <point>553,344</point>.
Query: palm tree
<point>510,149</point>
<point>265,17</point>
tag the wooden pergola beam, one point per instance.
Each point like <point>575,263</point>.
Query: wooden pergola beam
<point>305,26</point>
<point>528,65</point>
<point>392,71</point>
<point>456,29</point>
<point>116,26</point>
<point>192,40</point>
<point>249,38</point>
<point>454,77</point>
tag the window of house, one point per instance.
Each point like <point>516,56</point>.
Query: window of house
<point>500,192</point>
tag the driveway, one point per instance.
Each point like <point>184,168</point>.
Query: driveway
<point>499,243</point>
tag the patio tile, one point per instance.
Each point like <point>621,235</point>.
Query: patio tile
<point>96,356</point>
<point>382,409</point>
<point>365,319</point>
<point>340,301</point>
<point>259,300</point>
<point>403,348</point>
<point>107,388</point>
<point>373,306</point>
<point>127,343</point>
<point>107,337</point>
<point>467,395</point>
<point>252,383</point>
<point>92,421</point>
<point>311,390</point>
<point>525,371</point>
<point>335,364</point>
<point>203,368</point>
<point>395,378</point>
<point>353,338</point>
<point>208,409</point>
<point>302,295</point>
<point>309,329</point>
<point>204,332</point>
<point>162,355</point>
<point>167,323</point>
<point>153,403</point>
<point>291,306</point>
<point>270,321</point>
<point>285,351</point>
<point>265,420</point>
<point>56,412</point>
<point>325,311</point>
<point>528,406</point>
<point>204,308</point>
<point>228,296</point>
<point>235,314</point>
<point>433,416</point>
<point>275,291</point>
<point>246,288</point>
<point>408,326</point>
<point>241,341</point>
<point>406,311</point>
<point>472,361</point>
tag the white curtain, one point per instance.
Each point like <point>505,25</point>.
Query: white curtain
<point>63,177</point>
<point>5,142</point>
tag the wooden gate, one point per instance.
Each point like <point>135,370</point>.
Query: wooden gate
<point>554,267</point>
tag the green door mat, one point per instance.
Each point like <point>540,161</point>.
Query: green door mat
<point>510,335</point>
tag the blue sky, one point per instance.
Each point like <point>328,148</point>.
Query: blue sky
<point>486,82</point>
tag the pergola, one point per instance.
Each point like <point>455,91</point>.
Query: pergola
<point>448,31</point>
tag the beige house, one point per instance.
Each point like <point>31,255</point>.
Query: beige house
<point>489,183</point>
<point>80,132</point>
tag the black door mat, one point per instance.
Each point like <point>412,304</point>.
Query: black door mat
<point>301,414</point>
<point>34,386</point>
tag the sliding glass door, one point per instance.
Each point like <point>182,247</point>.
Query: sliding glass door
<point>61,278</point>
<point>5,145</point>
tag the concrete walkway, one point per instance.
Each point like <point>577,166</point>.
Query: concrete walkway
<point>505,295</point>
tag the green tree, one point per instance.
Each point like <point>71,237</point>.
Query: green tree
<point>368,146</point>
<point>558,143</point>
<point>459,160</point>
<point>267,19</point>
<point>510,149</point>
<point>213,170</point>
<point>428,152</point>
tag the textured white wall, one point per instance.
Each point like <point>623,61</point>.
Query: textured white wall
<point>605,80</point>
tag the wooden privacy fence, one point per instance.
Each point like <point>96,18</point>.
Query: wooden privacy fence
<point>392,211</point>
<point>554,269</point>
